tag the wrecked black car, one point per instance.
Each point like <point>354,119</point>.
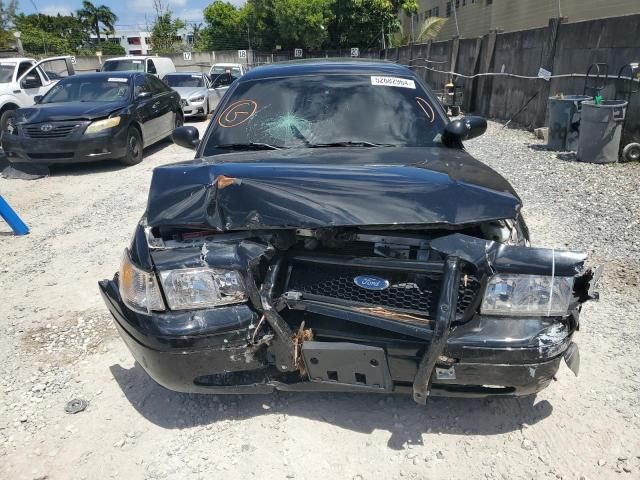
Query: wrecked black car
<point>332,234</point>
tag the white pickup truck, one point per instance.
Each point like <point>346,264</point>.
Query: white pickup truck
<point>22,79</point>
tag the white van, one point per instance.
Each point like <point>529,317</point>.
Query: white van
<point>158,66</point>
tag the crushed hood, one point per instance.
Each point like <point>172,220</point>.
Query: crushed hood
<point>51,112</point>
<point>314,188</point>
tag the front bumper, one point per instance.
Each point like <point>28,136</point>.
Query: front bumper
<point>209,352</point>
<point>193,109</point>
<point>75,149</point>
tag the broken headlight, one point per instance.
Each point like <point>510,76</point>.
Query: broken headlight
<point>527,295</point>
<point>139,289</point>
<point>190,288</point>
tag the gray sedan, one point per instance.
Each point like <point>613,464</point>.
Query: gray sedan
<point>197,96</point>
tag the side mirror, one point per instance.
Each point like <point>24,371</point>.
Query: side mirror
<point>37,99</point>
<point>30,81</point>
<point>187,137</point>
<point>143,95</point>
<point>465,128</point>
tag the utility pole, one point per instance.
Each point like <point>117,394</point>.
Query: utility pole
<point>455,16</point>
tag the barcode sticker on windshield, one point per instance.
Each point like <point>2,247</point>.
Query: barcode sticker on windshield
<point>393,82</point>
<point>121,80</point>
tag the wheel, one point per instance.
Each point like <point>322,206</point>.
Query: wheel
<point>631,152</point>
<point>134,147</point>
<point>205,115</point>
<point>4,121</point>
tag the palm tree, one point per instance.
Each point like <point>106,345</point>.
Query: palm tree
<point>428,31</point>
<point>431,28</point>
<point>94,16</point>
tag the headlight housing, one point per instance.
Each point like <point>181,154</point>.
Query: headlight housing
<point>139,289</point>
<point>527,295</point>
<point>191,288</point>
<point>197,99</point>
<point>101,125</point>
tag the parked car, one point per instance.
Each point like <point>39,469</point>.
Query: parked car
<point>196,93</point>
<point>333,234</point>
<point>93,117</point>
<point>235,70</point>
<point>22,79</point>
<point>158,66</point>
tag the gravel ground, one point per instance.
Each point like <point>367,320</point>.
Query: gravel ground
<point>57,343</point>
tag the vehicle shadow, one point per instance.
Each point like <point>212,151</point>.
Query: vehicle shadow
<point>77,169</point>
<point>406,421</point>
<point>104,166</point>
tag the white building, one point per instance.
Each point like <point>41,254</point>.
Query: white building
<point>136,42</point>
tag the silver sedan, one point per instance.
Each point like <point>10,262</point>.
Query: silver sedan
<point>197,95</point>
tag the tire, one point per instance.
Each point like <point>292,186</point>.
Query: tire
<point>134,147</point>
<point>4,121</point>
<point>631,152</point>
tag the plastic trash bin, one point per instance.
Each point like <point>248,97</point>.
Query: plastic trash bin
<point>601,130</point>
<point>564,121</point>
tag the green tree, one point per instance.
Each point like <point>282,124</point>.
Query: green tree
<point>362,23</point>
<point>430,29</point>
<point>303,23</point>
<point>62,34</point>
<point>94,16</point>
<point>164,32</point>
<point>226,27</point>
<point>7,16</point>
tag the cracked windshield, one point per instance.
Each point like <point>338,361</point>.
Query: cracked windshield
<point>313,111</point>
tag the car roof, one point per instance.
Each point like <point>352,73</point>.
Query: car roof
<point>185,73</point>
<point>222,64</point>
<point>116,74</point>
<point>326,66</point>
<point>16,60</point>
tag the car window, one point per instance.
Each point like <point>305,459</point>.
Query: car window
<point>142,85</point>
<point>6,71</point>
<point>24,66</point>
<point>157,86</point>
<point>34,78</point>
<point>298,112</point>
<point>123,65</point>
<point>184,80</point>
<point>83,89</point>
<point>151,68</point>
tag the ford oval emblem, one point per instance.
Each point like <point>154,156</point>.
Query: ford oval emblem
<point>371,283</point>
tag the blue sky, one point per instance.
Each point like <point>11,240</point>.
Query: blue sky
<point>130,13</point>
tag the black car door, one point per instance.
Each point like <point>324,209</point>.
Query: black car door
<point>165,101</point>
<point>146,114</point>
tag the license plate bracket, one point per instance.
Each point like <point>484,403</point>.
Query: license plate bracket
<point>347,364</point>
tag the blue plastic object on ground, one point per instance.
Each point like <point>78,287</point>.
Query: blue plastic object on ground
<point>12,218</point>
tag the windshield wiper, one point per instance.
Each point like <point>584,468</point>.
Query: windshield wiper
<point>360,143</point>
<point>248,146</point>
